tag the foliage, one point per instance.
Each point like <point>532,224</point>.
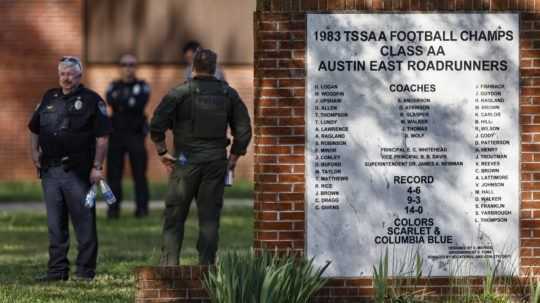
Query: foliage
<point>263,278</point>
<point>405,272</point>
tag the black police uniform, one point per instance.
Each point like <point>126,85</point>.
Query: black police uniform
<point>128,100</point>
<point>67,127</point>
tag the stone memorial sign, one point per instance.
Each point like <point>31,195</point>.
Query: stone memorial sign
<point>412,126</point>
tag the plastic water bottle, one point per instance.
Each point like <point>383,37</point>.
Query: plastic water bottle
<point>229,178</point>
<point>90,199</point>
<point>182,160</point>
<point>107,192</point>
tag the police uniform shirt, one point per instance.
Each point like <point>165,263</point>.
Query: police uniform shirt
<point>128,100</point>
<point>69,124</point>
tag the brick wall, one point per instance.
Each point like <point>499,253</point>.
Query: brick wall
<point>280,135</point>
<point>34,34</point>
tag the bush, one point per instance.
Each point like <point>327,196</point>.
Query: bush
<point>240,277</point>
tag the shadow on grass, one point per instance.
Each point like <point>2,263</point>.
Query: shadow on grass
<point>123,245</point>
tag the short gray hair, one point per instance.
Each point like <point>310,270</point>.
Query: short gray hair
<point>70,62</point>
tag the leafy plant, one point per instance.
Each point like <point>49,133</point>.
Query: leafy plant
<point>534,288</point>
<point>380,279</point>
<point>406,273</point>
<point>250,278</point>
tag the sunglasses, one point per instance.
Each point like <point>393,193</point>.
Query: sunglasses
<point>128,64</point>
<point>72,60</point>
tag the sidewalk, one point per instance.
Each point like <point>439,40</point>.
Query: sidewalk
<point>38,206</point>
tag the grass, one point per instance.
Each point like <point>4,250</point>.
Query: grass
<point>123,245</point>
<point>21,191</point>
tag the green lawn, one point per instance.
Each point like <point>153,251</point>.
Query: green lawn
<point>123,245</point>
<point>21,191</point>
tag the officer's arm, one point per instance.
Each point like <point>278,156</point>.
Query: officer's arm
<point>35,152</point>
<point>102,129</point>
<point>240,126</point>
<point>33,126</point>
<point>102,144</point>
<point>112,97</point>
<point>162,120</point>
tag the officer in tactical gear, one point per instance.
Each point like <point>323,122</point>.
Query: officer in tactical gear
<point>198,113</point>
<point>69,131</point>
<point>128,98</point>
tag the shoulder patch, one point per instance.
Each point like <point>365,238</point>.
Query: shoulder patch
<point>102,107</point>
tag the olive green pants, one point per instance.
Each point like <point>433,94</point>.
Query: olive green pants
<point>205,183</point>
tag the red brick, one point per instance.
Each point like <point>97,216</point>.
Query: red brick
<point>269,112</point>
<point>267,235</point>
<point>273,168</point>
<point>297,121</point>
<point>266,178</point>
<point>291,178</point>
<point>291,83</point>
<point>293,216</point>
<point>268,226</point>
<point>292,140</point>
<point>266,215</point>
<point>272,187</point>
<point>273,150</point>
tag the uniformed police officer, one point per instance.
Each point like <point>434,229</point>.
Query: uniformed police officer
<point>188,52</point>
<point>69,132</point>
<point>198,113</point>
<point>128,98</point>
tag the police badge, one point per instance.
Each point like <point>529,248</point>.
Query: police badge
<point>78,105</point>
<point>136,89</point>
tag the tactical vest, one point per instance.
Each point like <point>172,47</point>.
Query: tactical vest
<point>65,127</point>
<point>208,115</point>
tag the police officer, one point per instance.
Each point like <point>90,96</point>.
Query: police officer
<point>69,130</point>
<point>198,113</point>
<point>128,97</point>
<point>188,52</point>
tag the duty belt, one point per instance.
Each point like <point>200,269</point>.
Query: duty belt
<point>54,162</point>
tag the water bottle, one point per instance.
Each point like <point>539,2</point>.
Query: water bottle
<point>107,193</point>
<point>90,199</point>
<point>229,178</point>
<point>182,160</point>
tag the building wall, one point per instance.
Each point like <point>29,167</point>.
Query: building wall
<point>34,34</point>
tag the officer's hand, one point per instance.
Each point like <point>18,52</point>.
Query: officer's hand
<point>168,161</point>
<point>35,158</point>
<point>96,175</point>
<point>232,161</point>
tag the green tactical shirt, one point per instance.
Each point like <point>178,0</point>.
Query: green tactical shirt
<point>176,112</point>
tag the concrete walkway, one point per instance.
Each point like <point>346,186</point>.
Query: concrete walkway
<point>38,206</point>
